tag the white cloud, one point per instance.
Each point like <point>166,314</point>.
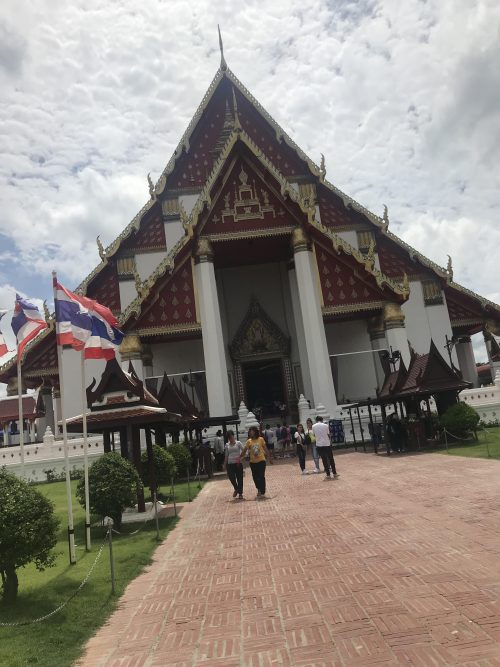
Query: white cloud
<point>402,98</point>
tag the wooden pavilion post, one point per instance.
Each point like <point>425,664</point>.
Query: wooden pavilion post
<point>135,441</point>
<point>106,439</point>
<point>374,435</point>
<point>123,442</point>
<point>151,464</point>
<point>361,430</point>
<point>353,433</point>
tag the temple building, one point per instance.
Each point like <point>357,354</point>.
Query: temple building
<point>248,276</point>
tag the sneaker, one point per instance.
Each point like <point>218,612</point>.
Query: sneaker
<point>240,497</point>
<point>235,494</point>
<point>336,475</point>
<point>316,471</point>
<point>304,472</point>
<point>262,496</point>
<point>327,477</point>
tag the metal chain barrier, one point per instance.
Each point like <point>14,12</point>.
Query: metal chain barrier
<point>67,601</point>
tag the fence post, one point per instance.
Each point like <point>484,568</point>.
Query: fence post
<point>111,561</point>
<point>189,484</point>
<point>155,500</point>
<point>173,497</point>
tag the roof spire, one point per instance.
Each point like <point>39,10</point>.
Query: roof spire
<point>385,218</point>
<point>322,168</point>
<point>223,64</point>
<point>236,125</point>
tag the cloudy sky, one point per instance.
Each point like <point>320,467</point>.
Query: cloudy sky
<point>403,98</point>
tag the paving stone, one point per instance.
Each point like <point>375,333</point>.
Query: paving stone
<point>396,563</point>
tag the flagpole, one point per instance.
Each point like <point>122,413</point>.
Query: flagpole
<point>71,529</point>
<point>20,407</point>
<point>85,455</point>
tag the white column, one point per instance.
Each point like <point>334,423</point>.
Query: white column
<point>48,406</point>
<point>316,347</point>
<point>395,331</point>
<point>378,342</point>
<point>219,402</point>
<point>466,360</point>
<point>299,331</point>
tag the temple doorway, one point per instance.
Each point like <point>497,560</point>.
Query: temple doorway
<point>264,387</point>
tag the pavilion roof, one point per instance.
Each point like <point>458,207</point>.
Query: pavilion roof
<point>394,381</point>
<point>9,408</point>
<point>429,373</point>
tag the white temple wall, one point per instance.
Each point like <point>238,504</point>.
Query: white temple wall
<point>357,378</point>
<point>127,293</point>
<point>440,326</point>
<point>188,202</point>
<point>146,263</point>
<point>350,236</point>
<point>173,232</point>
<point>72,379</point>
<point>417,324</point>
<point>178,357</point>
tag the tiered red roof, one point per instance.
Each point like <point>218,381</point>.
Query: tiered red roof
<point>105,289</point>
<point>171,303</point>
<point>345,282</point>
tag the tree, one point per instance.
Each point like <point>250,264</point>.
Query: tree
<point>164,467</point>
<point>113,486</point>
<point>460,419</point>
<point>182,457</point>
<point>28,531</point>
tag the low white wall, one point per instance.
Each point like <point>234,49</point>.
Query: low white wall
<point>40,457</point>
<point>484,400</point>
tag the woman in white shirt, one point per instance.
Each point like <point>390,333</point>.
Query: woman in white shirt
<point>233,464</point>
<point>300,440</point>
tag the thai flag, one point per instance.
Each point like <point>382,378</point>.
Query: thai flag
<point>27,322</point>
<point>85,324</point>
<point>3,346</point>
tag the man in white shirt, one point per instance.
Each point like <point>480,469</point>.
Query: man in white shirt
<point>324,447</point>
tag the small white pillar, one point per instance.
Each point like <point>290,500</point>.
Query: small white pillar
<point>219,401</point>
<point>242,413</point>
<point>304,410</point>
<point>299,331</point>
<point>323,390</point>
<point>251,420</point>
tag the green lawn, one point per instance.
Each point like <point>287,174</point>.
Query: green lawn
<point>487,446</point>
<point>59,640</point>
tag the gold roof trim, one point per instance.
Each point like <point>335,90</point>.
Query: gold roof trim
<point>353,308</point>
<point>251,234</point>
<point>170,330</point>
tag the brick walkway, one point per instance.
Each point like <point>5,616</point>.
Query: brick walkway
<point>395,563</point>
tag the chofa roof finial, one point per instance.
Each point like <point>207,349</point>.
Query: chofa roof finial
<point>322,168</point>
<point>223,64</point>
<point>449,269</point>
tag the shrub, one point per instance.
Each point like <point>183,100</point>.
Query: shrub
<point>113,486</point>
<point>164,465</point>
<point>460,419</point>
<point>182,457</point>
<point>28,530</point>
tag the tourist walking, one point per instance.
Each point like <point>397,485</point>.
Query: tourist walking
<point>300,440</point>
<point>256,447</point>
<point>268,436</point>
<point>311,442</point>
<point>219,451</point>
<point>233,464</point>
<point>324,447</point>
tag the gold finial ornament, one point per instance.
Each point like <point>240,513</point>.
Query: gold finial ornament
<point>100,247</point>
<point>322,168</point>
<point>186,225</point>
<point>46,314</point>
<point>152,193</point>
<point>406,284</point>
<point>131,347</point>
<point>223,64</point>
<point>386,217</point>
<point>449,269</point>
<point>140,286</point>
<point>393,316</point>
